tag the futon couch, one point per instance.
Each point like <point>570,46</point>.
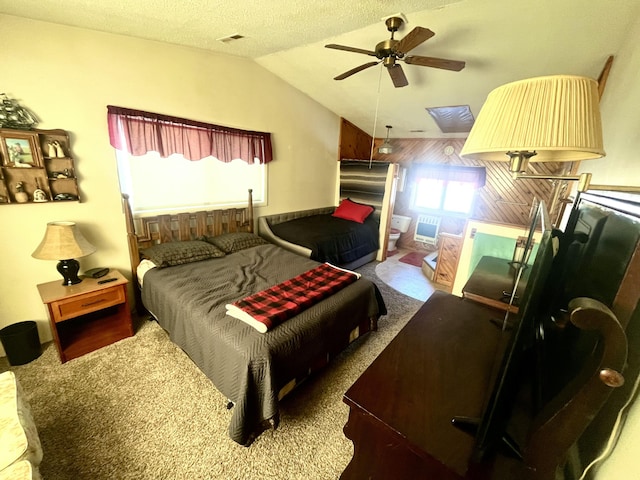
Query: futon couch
<point>20,449</point>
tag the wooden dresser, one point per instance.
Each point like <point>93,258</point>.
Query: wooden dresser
<point>438,367</point>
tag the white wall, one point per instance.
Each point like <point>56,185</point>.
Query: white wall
<point>620,119</point>
<point>621,166</point>
<point>67,76</point>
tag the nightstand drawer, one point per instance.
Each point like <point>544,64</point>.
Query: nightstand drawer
<point>87,303</point>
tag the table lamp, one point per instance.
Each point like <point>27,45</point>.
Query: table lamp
<point>63,241</point>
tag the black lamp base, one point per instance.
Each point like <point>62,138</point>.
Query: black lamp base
<point>69,270</point>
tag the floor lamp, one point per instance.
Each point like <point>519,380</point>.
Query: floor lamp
<point>545,119</point>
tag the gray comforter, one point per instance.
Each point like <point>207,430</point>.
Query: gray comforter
<point>249,367</point>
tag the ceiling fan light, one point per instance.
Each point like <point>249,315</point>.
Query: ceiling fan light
<point>390,51</point>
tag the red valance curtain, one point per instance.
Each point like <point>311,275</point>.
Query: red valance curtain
<point>453,173</point>
<point>139,132</point>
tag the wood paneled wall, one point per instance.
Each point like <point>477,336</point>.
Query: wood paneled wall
<point>354,143</point>
<point>501,200</point>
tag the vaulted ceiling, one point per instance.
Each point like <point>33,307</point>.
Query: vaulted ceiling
<point>500,41</point>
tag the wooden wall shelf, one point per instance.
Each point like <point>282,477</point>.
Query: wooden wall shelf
<point>36,167</point>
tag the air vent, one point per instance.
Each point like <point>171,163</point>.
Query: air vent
<point>458,119</point>
<point>230,38</point>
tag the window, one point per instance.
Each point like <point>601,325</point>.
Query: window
<point>447,189</point>
<point>169,163</point>
<point>157,185</point>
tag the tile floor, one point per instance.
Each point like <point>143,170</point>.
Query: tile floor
<point>405,278</point>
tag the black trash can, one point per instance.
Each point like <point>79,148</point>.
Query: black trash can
<point>21,342</point>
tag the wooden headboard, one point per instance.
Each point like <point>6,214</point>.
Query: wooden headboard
<point>144,232</point>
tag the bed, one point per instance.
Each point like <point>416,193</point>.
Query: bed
<point>253,370</point>
<point>318,235</point>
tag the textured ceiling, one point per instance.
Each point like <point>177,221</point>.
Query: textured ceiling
<point>268,26</point>
<point>500,40</point>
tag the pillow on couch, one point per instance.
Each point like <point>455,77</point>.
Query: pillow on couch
<point>179,253</point>
<point>236,241</point>
<point>350,210</point>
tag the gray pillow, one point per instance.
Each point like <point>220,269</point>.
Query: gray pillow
<point>236,241</point>
<point>179,253</point>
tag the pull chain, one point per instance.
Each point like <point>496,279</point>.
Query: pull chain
<point>375,118</point>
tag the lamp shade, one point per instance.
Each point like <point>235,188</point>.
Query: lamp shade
<point>557,117</point>
<point>62,241</point>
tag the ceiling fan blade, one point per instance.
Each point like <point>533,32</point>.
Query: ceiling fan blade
<point>397,76</point>
<point>412,39</point>
<point>443,63</point>
<point>351,49</point>
<point>355,70</point>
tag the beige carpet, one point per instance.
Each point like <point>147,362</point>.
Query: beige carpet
<point>140,409</point>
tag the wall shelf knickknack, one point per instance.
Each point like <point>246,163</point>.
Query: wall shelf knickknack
<point>36,167</point>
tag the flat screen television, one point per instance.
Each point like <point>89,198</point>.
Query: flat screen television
<point>490,429</point>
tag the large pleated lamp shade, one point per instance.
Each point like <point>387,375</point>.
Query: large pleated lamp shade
<point>63,241</point>
<point>545,119</point>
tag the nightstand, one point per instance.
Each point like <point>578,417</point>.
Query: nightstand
<point>89,315</point>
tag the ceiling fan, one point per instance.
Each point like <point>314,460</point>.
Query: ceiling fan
<point>391,51</point>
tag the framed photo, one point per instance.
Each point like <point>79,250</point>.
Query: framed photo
<point>20,149</point>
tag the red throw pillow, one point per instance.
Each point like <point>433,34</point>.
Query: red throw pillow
<point>353,211</point>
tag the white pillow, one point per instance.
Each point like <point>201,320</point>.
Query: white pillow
<point>143,267</point>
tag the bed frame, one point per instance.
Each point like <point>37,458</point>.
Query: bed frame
<point>144,232</point>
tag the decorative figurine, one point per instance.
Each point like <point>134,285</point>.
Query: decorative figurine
<point>12,115</point>
<point>21,196</point>
<point>39,195</point>
<point>52,150</point>
<point>58,148</point>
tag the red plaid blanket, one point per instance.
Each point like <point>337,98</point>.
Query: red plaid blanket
<point>268,308</point>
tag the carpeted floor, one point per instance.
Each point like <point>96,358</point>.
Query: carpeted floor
<point>140,409</point>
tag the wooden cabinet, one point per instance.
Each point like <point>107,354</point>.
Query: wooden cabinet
<point>37,167</point>
<point>448,257</point>
<point>492,282</point>
<point>88,315</point>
